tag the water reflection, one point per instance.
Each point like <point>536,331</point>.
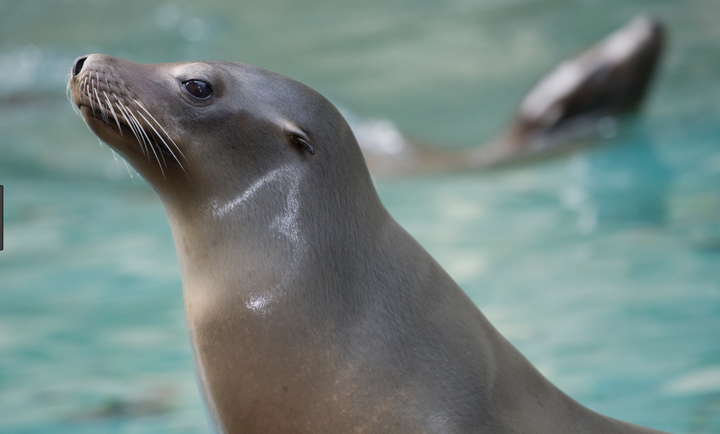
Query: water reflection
<point>623,181</point>
<point>87,259</point>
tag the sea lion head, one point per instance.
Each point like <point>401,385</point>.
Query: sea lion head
<point>195,128</point>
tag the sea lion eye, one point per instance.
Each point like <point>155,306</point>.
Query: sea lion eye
<point>198,89</point>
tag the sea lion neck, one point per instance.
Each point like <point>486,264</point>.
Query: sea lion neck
<point>280,219</point>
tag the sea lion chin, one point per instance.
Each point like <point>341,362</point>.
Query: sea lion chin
<point>310,309</point>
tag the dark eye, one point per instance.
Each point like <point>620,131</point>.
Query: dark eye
<point>198,88</point>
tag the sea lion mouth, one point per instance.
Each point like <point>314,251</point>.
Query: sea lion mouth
<point>104,99</point>
<point>103,117</point>
<point>120,126</point>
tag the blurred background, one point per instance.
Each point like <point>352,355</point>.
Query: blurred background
<point>602,265</point>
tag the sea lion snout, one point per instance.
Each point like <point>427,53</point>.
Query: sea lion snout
<point>78,65</point>
<point>113,107</point>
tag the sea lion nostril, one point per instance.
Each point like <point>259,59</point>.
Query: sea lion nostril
<point>78,65</point>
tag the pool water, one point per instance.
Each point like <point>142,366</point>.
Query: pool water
<point>602,265</point>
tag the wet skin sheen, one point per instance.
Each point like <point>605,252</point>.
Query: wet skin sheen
<point>310,309</point>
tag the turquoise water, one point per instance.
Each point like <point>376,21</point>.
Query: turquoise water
<point>601,266</point>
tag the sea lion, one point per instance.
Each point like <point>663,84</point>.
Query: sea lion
<point>578,101</point>
<point>310,309</point>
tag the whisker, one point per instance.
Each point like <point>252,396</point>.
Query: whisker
<point>162,155</point>
<point>102,110</point>
<point>92,105</point>
<point>113,112</point>
<point>115,157</point>
<point>122,112</point>
<point>131,123</point>
<point>129,171</point>
<point>132,110</point>
<point>86,124</point>
<point>163,140</point>
<point>163,130</point>
<point>137,131</point>
<point>120,106</point>
<point>68,93</point>
<point>67,87</point>
<point>152,148</point>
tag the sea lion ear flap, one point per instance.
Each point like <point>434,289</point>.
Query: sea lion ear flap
<point>298,137</point>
